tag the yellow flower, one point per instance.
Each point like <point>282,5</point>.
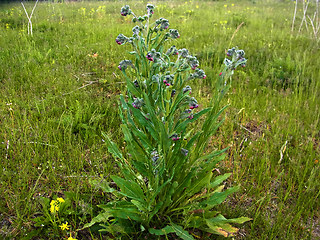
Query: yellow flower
<point>52,209</point>
<point>64,226</point>
<point>71,238</point>
<point>53,202</point>
<point>59,199</point>
<point>225,5</point>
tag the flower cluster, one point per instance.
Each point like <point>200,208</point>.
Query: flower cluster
<point>163,23</point>
<point>138,103</point>
<point>125,10</point>
<point>153,56</point>
<point>237,58</point>
<point>64,226</point>
<point>168,79</point>
<point>174,137</point>
<point>121,39</point>
<point>124,64</point>
<point>150,9</point>
<point>172,51</point>
<point>55,205</point>
<point>199,73</point>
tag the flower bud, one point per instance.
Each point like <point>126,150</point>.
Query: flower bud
<point>173,93</point>
<point>121,39</point>
<point>138,103</point>
<point>174,33</point>
<point>193,103</point>
<point>184,151</point>
<point>150,9</point>
<point>172,51</point>
<point>186,89</point>
<point>183,52</point>
<point>136,30</point>
<point>123,65</point>
<point>125,10</point>
<point>174,137</point>
<point>164,24</point>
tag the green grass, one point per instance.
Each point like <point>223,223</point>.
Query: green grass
<point>50,127</point>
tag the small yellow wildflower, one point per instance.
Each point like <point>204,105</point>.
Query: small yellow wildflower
<point>197,6</point>
<point>59,199</point>
<point>64,226</point>
<point>232,4</point>
<point>71,238</point>
<point>225,5</point>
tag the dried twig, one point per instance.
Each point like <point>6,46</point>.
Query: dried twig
<point>235,32</point>
<point>294,15</point>
<point>305,8</point>
<point>29,17</point>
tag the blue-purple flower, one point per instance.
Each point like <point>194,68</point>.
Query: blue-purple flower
<point>173,33</point>
<point>138,103</point>
<point>150,9</point>
<point>183,52</point>
<point>187,89</point>
<point>124,64</point>
<point>184,151</point>
<point>199,73</point>
<point>125,10</point>
<point>193,61</point>
<point>193,103</point>
<point>168,79</point>
<point>121,39</point>
<point>174,137</point>
<point>172,51</point>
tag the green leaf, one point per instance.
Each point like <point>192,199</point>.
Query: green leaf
<point>218,197</point>
<point>221,219</point>
<point>219,179</point>
<point>164,231</point>
<point>144,122</point>
<point>129,188</point>
<point>102,217</point>
<point>139,205</point>
<point>181,232</point>
<point>103,184</point>
<point>112,147</point>
<point>183,125</point>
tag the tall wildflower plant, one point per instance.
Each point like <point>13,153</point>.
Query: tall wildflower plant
<point>168,184</point>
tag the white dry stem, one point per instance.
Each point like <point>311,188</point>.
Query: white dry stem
<point>45,144</point>
<point>282,150</point>
<point>8,145</point>
<point>29,17</point>
<point>294,15</point>
<point>304,19</point>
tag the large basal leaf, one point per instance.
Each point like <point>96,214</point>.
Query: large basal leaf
<point>181,232</point>
<point>219,179</point>
<point>112,147</point>
<point>164,231</point>
<point>218,197</point>
<point>129,188</point>
<point>173,228</point>
<point>100,218</point>
<point>221,219</point>
<point>103,184</point>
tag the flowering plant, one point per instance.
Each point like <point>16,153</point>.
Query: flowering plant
<point>168,184</point>
<point>53,219</point>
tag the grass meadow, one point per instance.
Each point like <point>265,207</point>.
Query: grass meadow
<point>59,90</point>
